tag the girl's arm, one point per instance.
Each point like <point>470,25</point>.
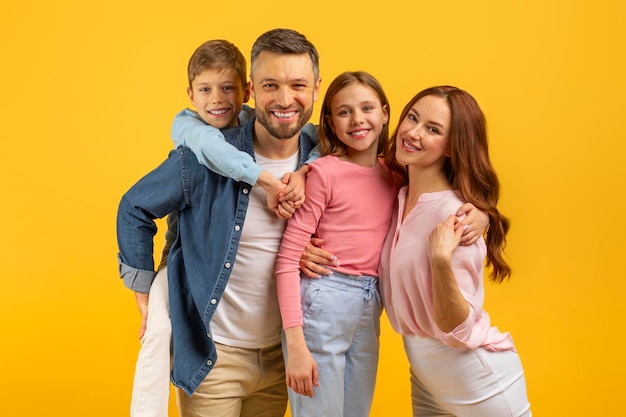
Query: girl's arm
<point>301,368</point>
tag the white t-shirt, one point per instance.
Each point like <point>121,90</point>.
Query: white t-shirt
<point>248,315</point>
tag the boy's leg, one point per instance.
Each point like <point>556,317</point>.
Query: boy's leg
<point>232,385</point>
<point>362,357</point>
<point>151,384</point>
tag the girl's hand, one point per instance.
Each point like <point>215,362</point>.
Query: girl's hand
<point>301,368</point>
<point>294,191</point>
<point>473,224</point>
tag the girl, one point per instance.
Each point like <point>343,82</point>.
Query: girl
<point>432,287</point>
<point>332,324</point>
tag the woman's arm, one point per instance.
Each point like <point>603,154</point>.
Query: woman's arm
<point>450,309</point>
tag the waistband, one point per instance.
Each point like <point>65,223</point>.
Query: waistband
<point>344,281</point>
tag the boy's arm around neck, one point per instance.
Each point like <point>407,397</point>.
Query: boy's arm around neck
<point>212,151</point>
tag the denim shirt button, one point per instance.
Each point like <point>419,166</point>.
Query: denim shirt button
<point>227,265</point>
<point>237,228</point>
<point>209,362</point>
<point>208,335</point>
<point>213,301</point>
<point>245,191</point>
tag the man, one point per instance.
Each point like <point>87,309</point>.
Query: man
<point>226,338</point>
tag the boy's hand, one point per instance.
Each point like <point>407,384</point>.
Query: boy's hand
<point>314,258</point>
<point>273,187</point>
<point>474,223</point>
<point>142,303</point>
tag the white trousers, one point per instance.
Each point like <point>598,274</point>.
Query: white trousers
<point>465,383</point>
<point>151,385</point>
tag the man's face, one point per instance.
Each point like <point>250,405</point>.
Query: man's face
<point>284,90</point>
<point>218,97</point>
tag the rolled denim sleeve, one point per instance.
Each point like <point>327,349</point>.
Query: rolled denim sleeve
<point>138,280</point>
<point>212,150</point>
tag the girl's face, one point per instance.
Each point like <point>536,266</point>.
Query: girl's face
<point>422,138</point>
<point>357,117</point>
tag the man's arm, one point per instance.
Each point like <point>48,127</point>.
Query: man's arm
<point>154,196</point>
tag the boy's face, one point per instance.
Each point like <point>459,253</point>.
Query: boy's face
<point>218,97</point>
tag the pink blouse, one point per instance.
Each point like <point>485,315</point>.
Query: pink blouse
<point>405,278</point>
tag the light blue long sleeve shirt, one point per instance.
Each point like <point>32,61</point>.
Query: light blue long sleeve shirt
<point>212,151</point>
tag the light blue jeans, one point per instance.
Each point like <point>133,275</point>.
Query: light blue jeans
<point>341,316</point>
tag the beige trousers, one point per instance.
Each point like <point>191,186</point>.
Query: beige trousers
<point>243,383</point>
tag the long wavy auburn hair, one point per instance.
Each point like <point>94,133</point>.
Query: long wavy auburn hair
<point>468,169</point>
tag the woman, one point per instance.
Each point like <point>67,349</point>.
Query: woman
<point>432,287</point>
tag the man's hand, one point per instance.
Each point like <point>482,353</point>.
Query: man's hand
<point>314,258</point>
<point>142,303</point>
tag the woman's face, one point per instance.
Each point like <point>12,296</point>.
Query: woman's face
<point>422,137</point>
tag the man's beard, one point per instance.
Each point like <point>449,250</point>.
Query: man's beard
<point>282,130</point>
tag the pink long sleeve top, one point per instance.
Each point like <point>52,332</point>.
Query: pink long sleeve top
<point>350,207</point>
<point>406,282</point>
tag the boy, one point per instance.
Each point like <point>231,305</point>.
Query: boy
<point>218,90</point>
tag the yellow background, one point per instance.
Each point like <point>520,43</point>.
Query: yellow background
<point>89,90</point>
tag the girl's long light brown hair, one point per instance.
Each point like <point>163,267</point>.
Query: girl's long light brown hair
<point>329,143</point>
<point>468,169</point>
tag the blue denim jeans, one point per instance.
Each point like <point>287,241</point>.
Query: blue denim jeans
<point>341,315</point>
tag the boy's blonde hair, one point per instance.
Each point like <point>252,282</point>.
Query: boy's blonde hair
<point>217,54</point>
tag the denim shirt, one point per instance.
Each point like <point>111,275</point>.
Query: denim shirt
<point>211,212</point>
